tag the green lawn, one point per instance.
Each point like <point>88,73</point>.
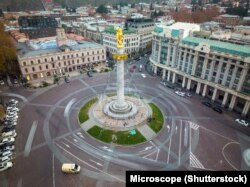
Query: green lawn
<point>157,118</point>
<point>122,137</point>
<point>83,114</point>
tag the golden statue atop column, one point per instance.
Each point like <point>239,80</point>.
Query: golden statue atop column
<point>119,37</point>
<point>120,55</point>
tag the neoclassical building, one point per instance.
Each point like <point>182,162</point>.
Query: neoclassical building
<point>131,41</point>
<point>213,69</point>
<point>60,56</point>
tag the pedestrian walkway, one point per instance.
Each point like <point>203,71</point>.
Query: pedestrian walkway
<point>146,131</point>
<point>88,125</point>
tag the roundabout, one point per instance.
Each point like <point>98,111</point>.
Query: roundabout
<point>191,138</point>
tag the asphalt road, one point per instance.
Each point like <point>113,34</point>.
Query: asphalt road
<point>194,137</point>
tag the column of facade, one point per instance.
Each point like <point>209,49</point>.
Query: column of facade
<point>189,64</point>
<point>204,90</point>
<point>194,63</point>
<point>184,61</point>
<point>159,53</point>
<point>242,77</point>
<point>224,99</point>
<point>214,94</point>
<point>169,54</point>
<point>155,69</point>
<point>246,108</point>
<point>226,74</point>
<point>174,76</point>
<point>211,70</point>
<point>169,75</point>
<point>218,72</point>
<point>233,77</point>
<point>232,103</point>
<point>183,82</point>
<point>189,84</point>
<point>163,73</point>
<point>174,55</point>
<point>198,88</point>
<point>179,60</point>
<point>204,68</point>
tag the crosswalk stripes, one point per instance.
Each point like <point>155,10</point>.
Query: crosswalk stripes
<point>194,162</point>
<point>193,125</point>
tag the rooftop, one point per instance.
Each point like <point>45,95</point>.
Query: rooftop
<point>112,30</point>
<point>24,51</point>
<point>219,46</point>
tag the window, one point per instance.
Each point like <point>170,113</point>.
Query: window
<point>32,62</point>
<point>72,56</point>
<point>24,63</point>
<point>40,67</point>
<point>39,61</point>
<point>53,65</point>
<point>52,59</point>
<point>26,70</point>
<point>33,69</point>
<point>45,60</point>
<point>59,64</point>
<point>92,52</point>
<point>58,58</point>
<point>47,67</point>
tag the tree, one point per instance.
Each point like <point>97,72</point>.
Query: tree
<point>102,9</point>
<point>133,5</point>
<point>8,59</point>
<point>240,11</point>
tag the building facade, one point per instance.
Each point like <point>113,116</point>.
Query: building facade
<point>38,26</point>
<point>144,28</point>
<point>213,69</point>
<point>67,56</point>
<point>131,41</point>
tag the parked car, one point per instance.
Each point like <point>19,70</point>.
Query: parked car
<point>242,122</point>
<point>6,153</point>
<point>1,82</point>
<point>5,166</point>
<point>8,128</point>
<point>182,94</point>
<point>12,134</point>
<point>208,104</point>
<point>170,86</point>
<point>217,109</point>
<point>7,140</point>
<point>188,94</point>
<point>8,148</point>
<point>5,159</point>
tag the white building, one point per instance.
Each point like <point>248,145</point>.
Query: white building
<point>214,69</point>
<point>58,57</point>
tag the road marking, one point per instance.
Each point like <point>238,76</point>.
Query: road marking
<point>225,156</point>
<point>66,145</point>
<point>68,106</point>
<point>97,163</point>
<point>169,143</point>
<point>90,164</point>
<point>157,154</point>
<point>193,125</point>
<point>15,95</point>
<point>53,167</point>
<point>186,135</point>
<point>20,182</point>
<point>179,160</point>
<point>30,139</point>
<point>194,162</point>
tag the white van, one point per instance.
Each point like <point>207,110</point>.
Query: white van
<point>70,168</point>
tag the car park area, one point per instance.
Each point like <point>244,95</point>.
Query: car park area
<point>8,135</point>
